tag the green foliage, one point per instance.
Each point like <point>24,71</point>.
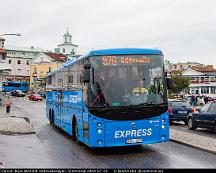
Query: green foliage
<point>179,84</point>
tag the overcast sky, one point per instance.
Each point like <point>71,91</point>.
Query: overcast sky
<point>185,30</point>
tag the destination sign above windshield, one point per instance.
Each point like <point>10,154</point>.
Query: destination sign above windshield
<point>127,60</point>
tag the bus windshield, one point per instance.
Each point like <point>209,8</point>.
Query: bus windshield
<point>127,80</point>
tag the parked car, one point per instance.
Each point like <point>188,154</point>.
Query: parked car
<point>35,97</point>
<point>204,117</point>
<point>179,110</point>
<point>18,93</point>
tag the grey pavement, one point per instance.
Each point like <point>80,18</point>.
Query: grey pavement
<point>14,123</point>
<point>199,141</point>
<point>51,147</point>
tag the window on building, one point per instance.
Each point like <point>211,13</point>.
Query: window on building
<point>19,71</point>
<point>70,79</point>
<point>213,90</point>
<point>195,90</point>
<point>81,78</point>
<point>9,61</point>
<point>63,50</point>
<point>49,69</point>
<point>35,70</point>
<point>204,90</point>
<point>27,62</point>
<point>19,62</point>
<point>28,72</point>
<point>206,79</point>
<point>212,79</point>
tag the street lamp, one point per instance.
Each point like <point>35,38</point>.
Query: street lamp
<point>16,34</point>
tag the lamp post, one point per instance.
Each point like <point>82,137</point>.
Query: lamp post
<point>15,34</point>
<point>4,69</point>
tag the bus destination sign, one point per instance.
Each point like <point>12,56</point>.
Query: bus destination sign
<point>127,60</point>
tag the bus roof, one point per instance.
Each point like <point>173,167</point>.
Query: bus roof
<point>114,51</point>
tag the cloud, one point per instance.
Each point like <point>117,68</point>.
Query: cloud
<point>183,29</point>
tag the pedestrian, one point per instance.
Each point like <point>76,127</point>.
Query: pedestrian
<point>206,99</point>
<point>8,104</point>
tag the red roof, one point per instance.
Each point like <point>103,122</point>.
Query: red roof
<point>56,56</point>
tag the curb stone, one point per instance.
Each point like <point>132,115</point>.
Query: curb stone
<point>16,125</point>
<point>197,141</point>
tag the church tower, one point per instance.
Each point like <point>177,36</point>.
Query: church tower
<point>67,47</point>
<point>67,37</point>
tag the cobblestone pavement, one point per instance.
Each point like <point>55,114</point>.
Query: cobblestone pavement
<point>202,142</point>
<point>14,124</point>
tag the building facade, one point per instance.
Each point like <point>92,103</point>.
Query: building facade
<point>185,66</point>
<point>41,65</point>
<point>4,68</point>
<point>2,50</point>
<point>201,83</point>
<point>18,58</point>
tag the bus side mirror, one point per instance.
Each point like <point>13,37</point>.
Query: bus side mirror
<point>169,83</point>
<point>86,77</point>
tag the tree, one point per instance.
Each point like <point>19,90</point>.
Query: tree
<point>179,84</point>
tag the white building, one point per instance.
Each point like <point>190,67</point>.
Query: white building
<point>201,83</point>
<point>18,59</point>
<point>67,47</point>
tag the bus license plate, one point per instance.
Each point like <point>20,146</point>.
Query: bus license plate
<point>132,141</point>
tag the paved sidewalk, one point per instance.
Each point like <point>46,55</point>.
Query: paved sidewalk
<point>194,140</point>
<point>14,124</point>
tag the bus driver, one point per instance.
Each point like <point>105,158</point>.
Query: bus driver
<point>140,89</point>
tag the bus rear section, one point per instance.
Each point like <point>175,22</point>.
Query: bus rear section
<point>8,86</point>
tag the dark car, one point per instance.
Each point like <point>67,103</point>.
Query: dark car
<point>35,97</point>
<point>18,93</point>
<point>179,110</point>
<point>204,117</point>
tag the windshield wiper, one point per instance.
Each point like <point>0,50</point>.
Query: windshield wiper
<point>148,104</point>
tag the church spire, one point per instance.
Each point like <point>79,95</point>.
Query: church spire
<point>67,37</point>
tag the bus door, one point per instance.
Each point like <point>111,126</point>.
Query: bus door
<point>60,109</point>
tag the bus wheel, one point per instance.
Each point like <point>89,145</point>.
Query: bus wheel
<point>52,118</point>
<point>75,132</point>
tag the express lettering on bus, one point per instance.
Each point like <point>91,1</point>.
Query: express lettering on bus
<point>133,133</point>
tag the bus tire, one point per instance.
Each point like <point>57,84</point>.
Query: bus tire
<point>75,131</point>
<point>50,116</point>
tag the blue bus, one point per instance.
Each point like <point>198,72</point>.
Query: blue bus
<point>8,86</point>
<point>111,97</point>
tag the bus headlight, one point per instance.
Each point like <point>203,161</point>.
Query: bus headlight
<point>99,131</point>
<point>163,137</point>
<point>99,124</point>
<point>163,126</point>
<point>163,120</point>
<point>99,142</point>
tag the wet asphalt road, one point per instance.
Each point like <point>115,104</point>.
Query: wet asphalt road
<point>52,148</point>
